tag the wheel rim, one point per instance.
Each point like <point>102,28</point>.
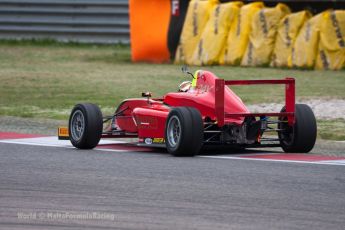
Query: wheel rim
<point>77,125</point>
<point>174,131</point>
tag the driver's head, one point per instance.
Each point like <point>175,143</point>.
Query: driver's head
<point>185,86</point>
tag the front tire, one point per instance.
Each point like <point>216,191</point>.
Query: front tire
<point>85,126</point>
<point>184,132</point>
<point>301,137</point>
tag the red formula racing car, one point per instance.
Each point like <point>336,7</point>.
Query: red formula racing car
<point>203,112</point>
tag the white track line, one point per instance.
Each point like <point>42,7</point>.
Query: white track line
<point>340,162</point>
<point>54,142</point>
<point>330,162</point>
<point>58,146</point>
<point>33,144</point>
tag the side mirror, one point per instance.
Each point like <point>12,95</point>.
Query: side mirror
<point>146,94</point>
<point>185,69</point>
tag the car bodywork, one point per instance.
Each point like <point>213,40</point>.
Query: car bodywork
<point>225,118</point>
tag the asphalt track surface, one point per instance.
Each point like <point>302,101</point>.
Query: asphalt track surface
<point>153,190</point>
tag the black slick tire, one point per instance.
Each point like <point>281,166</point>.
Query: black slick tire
<point>301,137</point>
<point>85,126</point>
<point>184,132</point>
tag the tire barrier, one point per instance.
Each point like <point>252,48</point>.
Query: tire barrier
<point>331,50</point>
<point>239,33</point>
<point>196,19</point>
<point>254,35</point>
<point>212,42</point>
<point>262,35</point>
<point>305,48</point>
<point>288,30</point>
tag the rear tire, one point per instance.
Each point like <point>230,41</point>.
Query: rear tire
<point>301,137</point>
<point>85,126</point>
<point>184,132</point>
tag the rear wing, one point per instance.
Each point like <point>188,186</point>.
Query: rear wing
<point>289,99</point>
